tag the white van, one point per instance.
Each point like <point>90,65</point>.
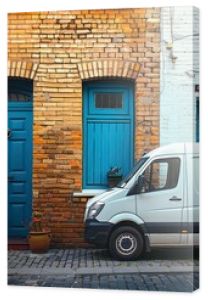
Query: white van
<point>156,205</point>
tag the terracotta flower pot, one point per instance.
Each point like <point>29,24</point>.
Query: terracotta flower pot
<point>114,180</point>
<point>39,241</point>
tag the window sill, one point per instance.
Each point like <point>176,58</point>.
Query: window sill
<point>88,193</point>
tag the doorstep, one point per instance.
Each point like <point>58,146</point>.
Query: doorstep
<point>18,244</point>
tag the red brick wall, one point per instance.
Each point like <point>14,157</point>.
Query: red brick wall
<point>59,50</point>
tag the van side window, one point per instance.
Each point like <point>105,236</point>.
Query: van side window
<point>161,174</point>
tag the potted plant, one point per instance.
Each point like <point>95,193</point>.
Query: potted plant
<point>114,176</point>
<point>39,235</point>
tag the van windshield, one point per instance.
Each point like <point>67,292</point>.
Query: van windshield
<point>133,171</point>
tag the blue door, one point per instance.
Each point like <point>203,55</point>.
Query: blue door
<point>108,131</point>
<point>19,165</point>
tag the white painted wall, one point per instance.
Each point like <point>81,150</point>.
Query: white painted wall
<point>179,38</point>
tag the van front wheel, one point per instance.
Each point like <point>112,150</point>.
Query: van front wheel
<point>126,243</point>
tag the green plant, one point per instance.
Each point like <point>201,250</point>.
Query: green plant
<point>38,222</point>
<point>114,172</point>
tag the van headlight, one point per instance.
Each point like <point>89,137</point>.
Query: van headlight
<point>95,209</point>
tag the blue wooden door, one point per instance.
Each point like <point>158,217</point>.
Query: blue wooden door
<point>108,131</point>
<point>19,169</point>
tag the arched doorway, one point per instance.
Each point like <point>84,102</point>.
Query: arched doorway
<point>20,120</point>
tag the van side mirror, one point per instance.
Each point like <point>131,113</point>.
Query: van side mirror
<point>137,186</point>
<point>140,183</point>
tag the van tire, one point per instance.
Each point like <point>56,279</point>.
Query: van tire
<point>126,243</point>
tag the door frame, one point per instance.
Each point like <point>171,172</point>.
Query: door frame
<point>119,83</point>
<point>21,107</point>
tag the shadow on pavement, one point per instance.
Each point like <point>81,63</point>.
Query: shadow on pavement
<point>157,254</point>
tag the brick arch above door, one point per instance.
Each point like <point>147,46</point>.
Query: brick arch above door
<point>109,68</point>
<point>22,68</point>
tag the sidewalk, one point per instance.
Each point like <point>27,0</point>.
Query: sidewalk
<point>89,261</point>
<point>83,267</point>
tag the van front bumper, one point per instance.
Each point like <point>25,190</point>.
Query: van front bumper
<point>97,233</point>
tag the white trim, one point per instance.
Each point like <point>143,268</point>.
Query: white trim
<point>88,193</point>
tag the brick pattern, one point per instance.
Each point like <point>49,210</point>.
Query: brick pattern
<point>23,69</point>
<point>179,77</point>
<point>69,47</point>
<point>109,68</point>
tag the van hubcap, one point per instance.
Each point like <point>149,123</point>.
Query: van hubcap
<point>126,243</point>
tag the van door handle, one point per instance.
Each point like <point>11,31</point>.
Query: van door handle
<point>174,198</point>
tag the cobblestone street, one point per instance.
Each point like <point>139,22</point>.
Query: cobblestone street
<point>145,281</point>
<point>92,268</point>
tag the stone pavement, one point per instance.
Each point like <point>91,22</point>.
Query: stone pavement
<point>168,270</point>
